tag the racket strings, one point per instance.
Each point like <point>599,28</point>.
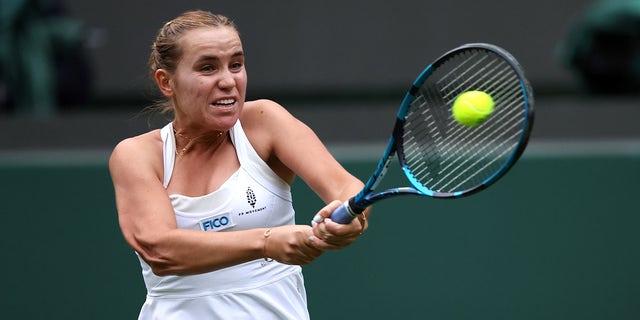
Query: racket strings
<point>445,156</point>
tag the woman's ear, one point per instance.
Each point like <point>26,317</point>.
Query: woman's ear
<point>164,82</point>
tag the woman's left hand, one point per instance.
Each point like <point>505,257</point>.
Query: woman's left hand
<point>329,235</point>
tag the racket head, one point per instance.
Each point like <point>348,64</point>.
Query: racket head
<point>444,159</point>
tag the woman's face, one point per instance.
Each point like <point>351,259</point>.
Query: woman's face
<point>210,81</point>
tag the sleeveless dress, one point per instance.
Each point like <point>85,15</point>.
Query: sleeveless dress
<point>253,197</point>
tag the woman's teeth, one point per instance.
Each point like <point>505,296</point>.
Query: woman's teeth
<point>225,102</point>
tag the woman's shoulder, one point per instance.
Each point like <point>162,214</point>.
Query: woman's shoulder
<point>261,107</point>
<point>142,141</point>
<point>146,147</point>
<point>264,122</point>
<point>263,112</point>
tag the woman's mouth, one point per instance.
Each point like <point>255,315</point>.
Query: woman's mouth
<point>224,102</point>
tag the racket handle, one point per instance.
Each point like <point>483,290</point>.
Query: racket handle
<point>345,213</point>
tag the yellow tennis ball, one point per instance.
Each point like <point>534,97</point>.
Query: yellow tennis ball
<point>472,108</point>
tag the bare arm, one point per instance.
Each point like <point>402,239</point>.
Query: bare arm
<point>297,148</point>
<point>148,222</point>
<point>291,148</point>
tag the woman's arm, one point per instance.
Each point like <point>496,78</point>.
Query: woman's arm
<point>148,222</point>
<point>292,148</point>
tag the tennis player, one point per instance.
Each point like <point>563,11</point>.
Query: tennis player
<point>205,201</point>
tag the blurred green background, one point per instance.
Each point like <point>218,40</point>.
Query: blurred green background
<point>556,238</point>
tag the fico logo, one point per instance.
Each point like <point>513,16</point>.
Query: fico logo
<point>216,223</point>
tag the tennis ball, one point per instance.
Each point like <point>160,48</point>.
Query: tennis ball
<point>472,108</point>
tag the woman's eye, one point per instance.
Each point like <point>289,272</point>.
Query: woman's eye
<point>207,68</point>
<point>236,65</point>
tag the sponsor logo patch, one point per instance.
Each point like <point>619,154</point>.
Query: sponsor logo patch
<point>217,222</point>
<point>251,197</point>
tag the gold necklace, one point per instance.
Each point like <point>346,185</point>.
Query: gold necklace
<point>191,141</point>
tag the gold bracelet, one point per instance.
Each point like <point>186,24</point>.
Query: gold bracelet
<point>266,235</point>
<point>363,222</point>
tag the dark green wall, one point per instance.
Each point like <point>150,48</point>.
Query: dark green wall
<point>555,239</point>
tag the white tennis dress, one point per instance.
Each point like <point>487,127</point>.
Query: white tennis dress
<point>253,197</point>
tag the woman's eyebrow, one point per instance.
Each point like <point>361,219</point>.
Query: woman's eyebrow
<point>216,58</point>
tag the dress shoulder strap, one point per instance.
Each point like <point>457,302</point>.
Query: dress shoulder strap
<point>168,151</point>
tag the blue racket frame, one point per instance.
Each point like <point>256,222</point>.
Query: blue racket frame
<point>357,204</point>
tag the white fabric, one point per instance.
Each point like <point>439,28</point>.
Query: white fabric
<point>254,196</point>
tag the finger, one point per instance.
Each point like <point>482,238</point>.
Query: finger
<point>322,227</point>
<point>309,253</point>
<point>322,245</point>
<point>338,229</point>
<point>341,235</point>
<point>323,233</point>
<point>326,211</point>
<point>320,230</point>
<point>338,240</point>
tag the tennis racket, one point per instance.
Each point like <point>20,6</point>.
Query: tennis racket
<point>440,157</point>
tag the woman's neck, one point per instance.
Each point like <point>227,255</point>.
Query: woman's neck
<point>186,142</point>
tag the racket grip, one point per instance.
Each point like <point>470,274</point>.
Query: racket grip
<point>345,213</point>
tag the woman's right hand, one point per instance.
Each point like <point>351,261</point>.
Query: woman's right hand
<point>291,244</point>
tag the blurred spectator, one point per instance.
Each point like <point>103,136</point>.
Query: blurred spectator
<point>42,60</point>
<point>603,48</point>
